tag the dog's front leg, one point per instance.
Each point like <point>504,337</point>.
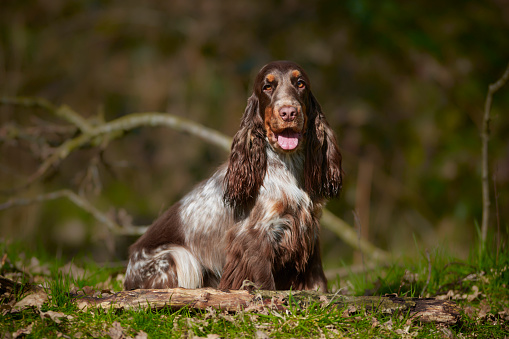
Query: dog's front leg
<point>313,277</point>
<point>248,257</point>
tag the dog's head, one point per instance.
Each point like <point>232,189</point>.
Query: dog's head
<point>282,113</point>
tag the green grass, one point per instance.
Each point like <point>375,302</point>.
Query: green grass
<point>479,284</point>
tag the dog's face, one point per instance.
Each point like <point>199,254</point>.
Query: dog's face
<point>282,88</point>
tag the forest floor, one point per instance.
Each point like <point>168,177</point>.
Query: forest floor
<point>42,302</point>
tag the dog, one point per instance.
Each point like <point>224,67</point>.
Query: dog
<point>257,217</point>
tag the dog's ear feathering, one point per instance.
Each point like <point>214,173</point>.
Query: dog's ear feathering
<point>322,169</point>
<point>248,159</point>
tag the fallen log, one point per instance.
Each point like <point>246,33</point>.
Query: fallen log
<point>421,309</point>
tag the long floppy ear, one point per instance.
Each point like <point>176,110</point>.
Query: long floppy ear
<point>248,160</point>
<point>322,167</point>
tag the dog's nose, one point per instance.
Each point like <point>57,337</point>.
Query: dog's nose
<point>288,113</point>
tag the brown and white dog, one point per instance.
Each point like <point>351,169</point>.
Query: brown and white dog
<point>257,217</point>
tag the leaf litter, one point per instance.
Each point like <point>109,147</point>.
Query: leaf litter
<point>35,298</point>
<point>116,331</point>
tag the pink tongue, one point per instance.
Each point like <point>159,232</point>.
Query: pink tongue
<point>288,139</point>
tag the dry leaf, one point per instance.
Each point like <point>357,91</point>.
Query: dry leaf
<point>469,311</point>
<point>88,290</point>
<point>450,295</point>
<point>484,309</point>
<point>73,271</point>
<point>504,314</point>
<point>375,322</point>
<point>261,335</point>
<point>209,336</point>
<point>388,324</point>
<point>35,267</point>
<point>324,300</point>
<point>23,331</point>
<point>55,316</point>
<point>36,299</point>
<point>474,295</point>
<point>116,331</point>
<point>447,332</point>
<point>404,330</point>
<point>349,311</point>
<point>141,335</point>
<point>410,277</point>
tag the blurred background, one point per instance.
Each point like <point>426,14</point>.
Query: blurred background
<point>402,83</point>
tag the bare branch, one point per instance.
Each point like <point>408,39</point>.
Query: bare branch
<point>153,119</point>
<point>64,112</point>
<point>346,232</point>
<point>343,230</point>
<point>485,136</point>
<point>111,130</point>
<point>105,132</point>
<point>80,202</point>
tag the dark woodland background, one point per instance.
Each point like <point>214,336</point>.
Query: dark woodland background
<point>403,83</point>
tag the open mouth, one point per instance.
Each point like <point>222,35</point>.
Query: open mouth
<point>288,139</point>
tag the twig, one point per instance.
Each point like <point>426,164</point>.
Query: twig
<point>346,232</point>
<point>114,129</point>
<point>63,112</point>
<point>106,132</point>
<point>485,135</point>
<point>358,228</point>
<point>80,202</point>
<point>497,213</point>
<point>329,220</point>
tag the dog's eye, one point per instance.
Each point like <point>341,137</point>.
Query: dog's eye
<point>267,87</point>
<point>301,84</point>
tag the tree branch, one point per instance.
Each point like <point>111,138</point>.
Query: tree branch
<point>485,136</point>
<point>346,232</point>
<point>424,310</point>
<point>110,130</point>
<point>107,131</point>
<point>64,112</point>
<point>80,202</point>
<point>343,230</point>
